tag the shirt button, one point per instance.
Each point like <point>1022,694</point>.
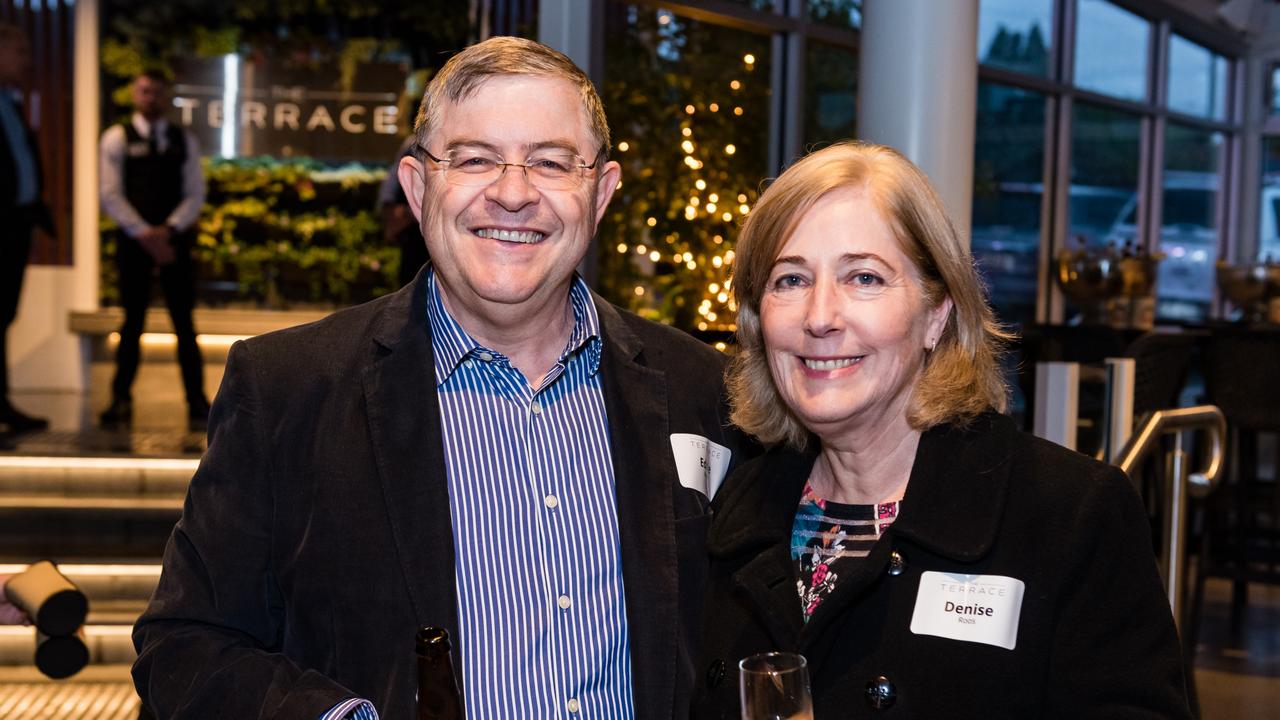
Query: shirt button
<point>536,407</point>
<point>572,705</point>
<point>468,364</point>
<point>564,603</point>
<point>551,501</point>
<point>487,357</point>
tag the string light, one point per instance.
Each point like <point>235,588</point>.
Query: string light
<point>624,146</point>
<point>728,216</point>
<point>639,291</point>
<point>640,249</point>
<point>749,59</point>
<point>735,85</point>
<point>687,132</point>
<point>742,197</point>
<point>689,108</point>
<point>730,149</point>
<point>687,146</point>
<point>655,256</point>
<point>711,207</point>
<point>714,197</point>
<point>737,111</point>
<point>622,247</point>
<point>700,184</point>
<point>714,107</point>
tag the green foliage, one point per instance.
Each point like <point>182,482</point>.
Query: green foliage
<point>276,234</point>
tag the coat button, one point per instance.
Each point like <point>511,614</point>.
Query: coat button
<point>881,693</point>
<point>897,563</point>
<point>715,674</point>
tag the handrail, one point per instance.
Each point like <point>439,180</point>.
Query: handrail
<point>1161,422</point>
<point>1178,481</point>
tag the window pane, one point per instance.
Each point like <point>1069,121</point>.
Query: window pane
<point>1015,34</point>
<point>838,13</point>
<point>1269,220</point>
<point>1103,202</point>
<point>830,98</point>
<point>1275,90</point>
<point>688,105</point>
<point>1197,80</point>
<point>1111,50</point>
<point>1189,226</point>
<point>1007,196</point>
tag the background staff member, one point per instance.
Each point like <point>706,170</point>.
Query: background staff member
<point>153,187</point>
<point>922,553</point>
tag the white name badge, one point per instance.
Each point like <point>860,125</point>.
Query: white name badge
<point>975,608</point>
<point>700,462</point>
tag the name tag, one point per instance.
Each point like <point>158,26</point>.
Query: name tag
<point>701,463</point>
<point>975,608</point>
<point>138,149</point>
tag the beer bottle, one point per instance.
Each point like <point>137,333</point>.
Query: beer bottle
<point>438,694</point>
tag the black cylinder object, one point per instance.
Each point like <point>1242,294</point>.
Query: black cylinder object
<point>53,602</point>
<point>61,657</point>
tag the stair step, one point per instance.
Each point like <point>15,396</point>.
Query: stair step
<point>108,644</point>
<point>95,477</point>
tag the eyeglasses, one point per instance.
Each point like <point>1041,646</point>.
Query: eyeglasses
<point>545,169</point>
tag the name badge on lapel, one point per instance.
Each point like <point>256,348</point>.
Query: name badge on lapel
<point>701,463</point>
<point>974,608</point>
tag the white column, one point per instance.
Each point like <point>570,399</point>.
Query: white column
<point>574,28</point>
<point>43,353</point>
<point>917,90</point>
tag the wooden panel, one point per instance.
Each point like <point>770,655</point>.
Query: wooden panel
<point>49,25</point>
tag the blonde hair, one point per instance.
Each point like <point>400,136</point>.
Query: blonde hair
<point>465,72</point>
<point>962,376</point>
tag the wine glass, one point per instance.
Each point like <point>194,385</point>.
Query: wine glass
<point>775,686</point>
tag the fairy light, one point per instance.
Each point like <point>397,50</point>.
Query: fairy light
<point>700,184</point>
<point>695,200</point>
<point>624,146</point>
<point>744,208</point>
<point>722,296</point>
<point>737,111</point>
<point>721,346</point>
<point>714,107</point>
<point>641,249</point>
<point>714,197</point>
<point>711,207</point>
<point>687,146</point>
<point>714,287</point>
<point>639,291</point>
<point>728,216</point>
<point>690,212</point>
<point>690,109</point>
<point>622,247</point>
<point>717,261</point>
<point>749,59</point>
<point>691,265</point>
<point>735,85</point>
<point>688,256</point>
<point>652,221</point>
<point>742,197</point>
<point>730,149</point>
<point>655,256</point>
<point>687,132</point>
<point>717,239</point>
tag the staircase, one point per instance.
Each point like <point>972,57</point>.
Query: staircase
<point>104,520</point>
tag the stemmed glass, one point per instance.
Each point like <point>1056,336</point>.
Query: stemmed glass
<point>775,686</point>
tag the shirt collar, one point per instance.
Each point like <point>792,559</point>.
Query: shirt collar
<point>452,344</point>
<point>144,128</point>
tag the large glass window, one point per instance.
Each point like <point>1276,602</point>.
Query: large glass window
<point>830,97</point>
<point>1112,47</point>
<point>1269,207</point>
<point>1016,35</point>
<point>838,13</point>
<point>1275,90</point>
<point>1189,223</point>
<point>1103,202</point>
<point>688,104</point>
<point>1008,195</point>
<point>1197,82</point>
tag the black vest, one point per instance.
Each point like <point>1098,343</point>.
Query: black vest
<point>153,179</point>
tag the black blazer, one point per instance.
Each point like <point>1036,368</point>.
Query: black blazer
<point>316,534</point>
<point>1095,638</point>
<point>37,213</point>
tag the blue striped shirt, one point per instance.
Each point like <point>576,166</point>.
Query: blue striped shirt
<point>542,621</point>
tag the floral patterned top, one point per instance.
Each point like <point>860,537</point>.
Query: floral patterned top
<point>827,537</point>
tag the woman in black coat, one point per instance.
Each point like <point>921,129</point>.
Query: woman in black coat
<point>927,558</point>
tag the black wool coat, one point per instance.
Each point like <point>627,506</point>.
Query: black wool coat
<point>316,535</point>
<point>1095,638</point>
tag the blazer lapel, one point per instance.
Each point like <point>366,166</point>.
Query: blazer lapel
<point>404,425</point>
<point>643,469</point>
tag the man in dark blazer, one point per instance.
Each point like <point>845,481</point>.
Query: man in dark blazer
<point>21,207</point>
<point>399,464</point>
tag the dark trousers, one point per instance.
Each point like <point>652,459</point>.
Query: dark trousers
<point>15,247</point>
<point>178,281</point>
